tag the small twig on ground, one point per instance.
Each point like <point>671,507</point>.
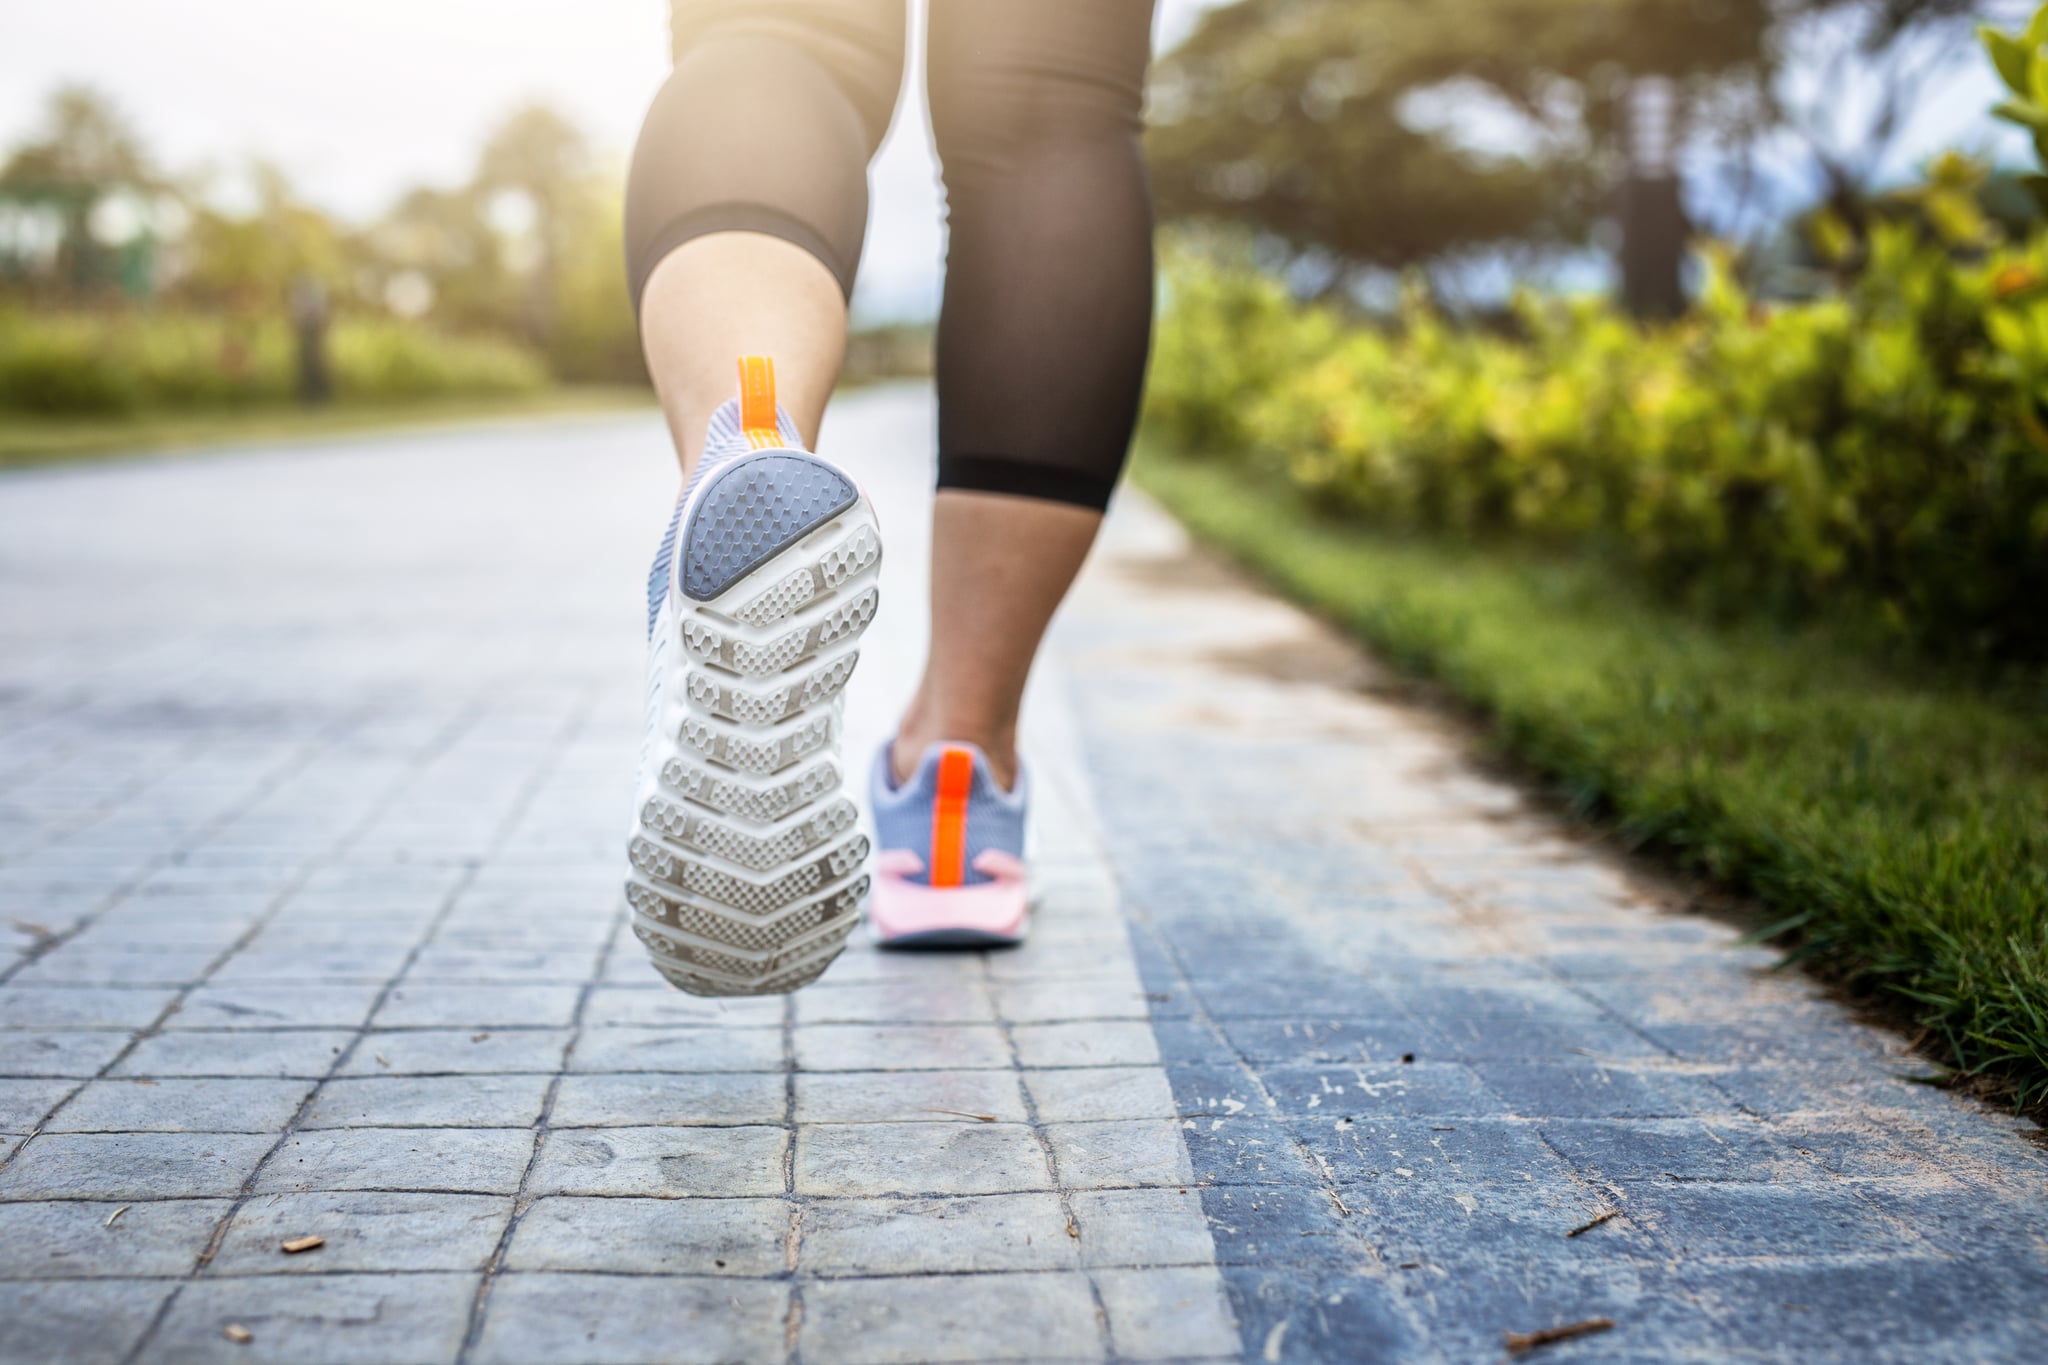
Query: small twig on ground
<point>1588,1227</point>
<point>1521,1343</point>
<point>961,1114</point>
<point>299,1244</point>
<point>116,1214</point>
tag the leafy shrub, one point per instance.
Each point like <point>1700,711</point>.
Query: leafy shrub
<point>1887,447</point>
<point>108,364</point>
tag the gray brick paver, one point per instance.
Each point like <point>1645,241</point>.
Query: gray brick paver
<point>742,1237</point>
<point>962,1156</point>
<point>360,829</point>
<point>582,1319</point>
<point>181,1105</point>
<point>67,1238</point>
<point>132,1165</point>
<point>670,1162</point>
<point>395,1319</point>
<point>374,1230</point>
<point>995,1232</point>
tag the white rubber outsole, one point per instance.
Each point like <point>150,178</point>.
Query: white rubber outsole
<point>746,872</point>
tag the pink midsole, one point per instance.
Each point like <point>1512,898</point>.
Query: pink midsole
<point>898,907</point>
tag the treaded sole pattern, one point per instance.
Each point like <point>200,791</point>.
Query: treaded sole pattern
<point>745,873</point>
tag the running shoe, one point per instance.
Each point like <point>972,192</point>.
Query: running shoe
<point>950,870</point>
<point>746,870</point>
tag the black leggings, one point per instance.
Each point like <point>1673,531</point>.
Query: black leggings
<point>767,125</point>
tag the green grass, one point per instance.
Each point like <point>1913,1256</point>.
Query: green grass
<point>1894,824</point>
<point>31,440</point>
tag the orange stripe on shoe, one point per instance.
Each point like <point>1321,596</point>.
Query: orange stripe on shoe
<point>757,402</point>
<point>949,817</point>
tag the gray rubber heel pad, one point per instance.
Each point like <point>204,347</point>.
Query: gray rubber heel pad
<point>753,510</point>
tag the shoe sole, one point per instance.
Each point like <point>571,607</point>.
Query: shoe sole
<point>746,873</point>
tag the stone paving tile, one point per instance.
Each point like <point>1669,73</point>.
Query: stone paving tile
<point>287,964</point>
<point>447,1052</point>
<point>500,1005</point>
<point>908,1096</point>
<point>503,1100</point>
<point>93,1322</point>
<point>1165,1314</point>
<point>639,1100</point>
<point>659,1006</point>
<point>937,1002</point>
<point>654,1236</point>
<point>81,1007</point>
<point>374,1230</point>
<point>541,1319</point>
<point>959,1157</point>
<point>954,1317</point>
<point>677,1050</point>
<point>66,1238</point>
<point>487,1160</point>
<point>1121,996</point>
<point>446,961</point>
<point>906,1047</point>
<point>1106,1043</point>
<point>285,1054</point>
<point>1143,1227</point>
<point>23,1103</point>
<point>300,1006</point>
<point>68,966</point>
<point>937,1236</point>
<point>1128,1092</point>
<point>201,1105</point>
<point>1124,1152</point>
<point>132,1165</point>
<point>58,1052</point>
<point>1586,1089</point>
<point>345,1319</point>
<point>668,1162</point>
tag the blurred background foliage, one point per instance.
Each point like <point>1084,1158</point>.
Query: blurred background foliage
<point>1349,135</point>
<point>124,288</point>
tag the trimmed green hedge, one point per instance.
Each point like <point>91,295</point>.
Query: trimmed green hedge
<point>94,364</point>
<point>1882,453</point>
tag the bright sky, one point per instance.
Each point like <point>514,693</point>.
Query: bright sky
<point>359,99</point>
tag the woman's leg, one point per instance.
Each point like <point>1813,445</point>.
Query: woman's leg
<point>748,197</point>
<point>744,217</point>
<point>1042,336</point>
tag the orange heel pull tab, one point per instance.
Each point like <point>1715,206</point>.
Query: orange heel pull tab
<point>757,402</point>
<point>949,817</point>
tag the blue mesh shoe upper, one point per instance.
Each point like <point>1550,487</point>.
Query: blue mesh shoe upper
<point>903,814</point>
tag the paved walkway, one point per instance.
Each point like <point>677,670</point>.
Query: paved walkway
<point>310,805</point>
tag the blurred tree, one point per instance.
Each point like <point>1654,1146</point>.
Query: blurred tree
<point>1391,134</point>
<point>533,171</point>
<point>251,264</point>
<point>435,253</point>
<point>85,153</point>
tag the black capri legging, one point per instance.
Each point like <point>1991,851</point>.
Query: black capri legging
<point>768,123</point>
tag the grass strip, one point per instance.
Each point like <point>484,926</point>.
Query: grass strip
<point>33,440</point>
<point>1895,827</point>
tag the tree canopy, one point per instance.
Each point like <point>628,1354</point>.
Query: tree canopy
<point>1390,133</point>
